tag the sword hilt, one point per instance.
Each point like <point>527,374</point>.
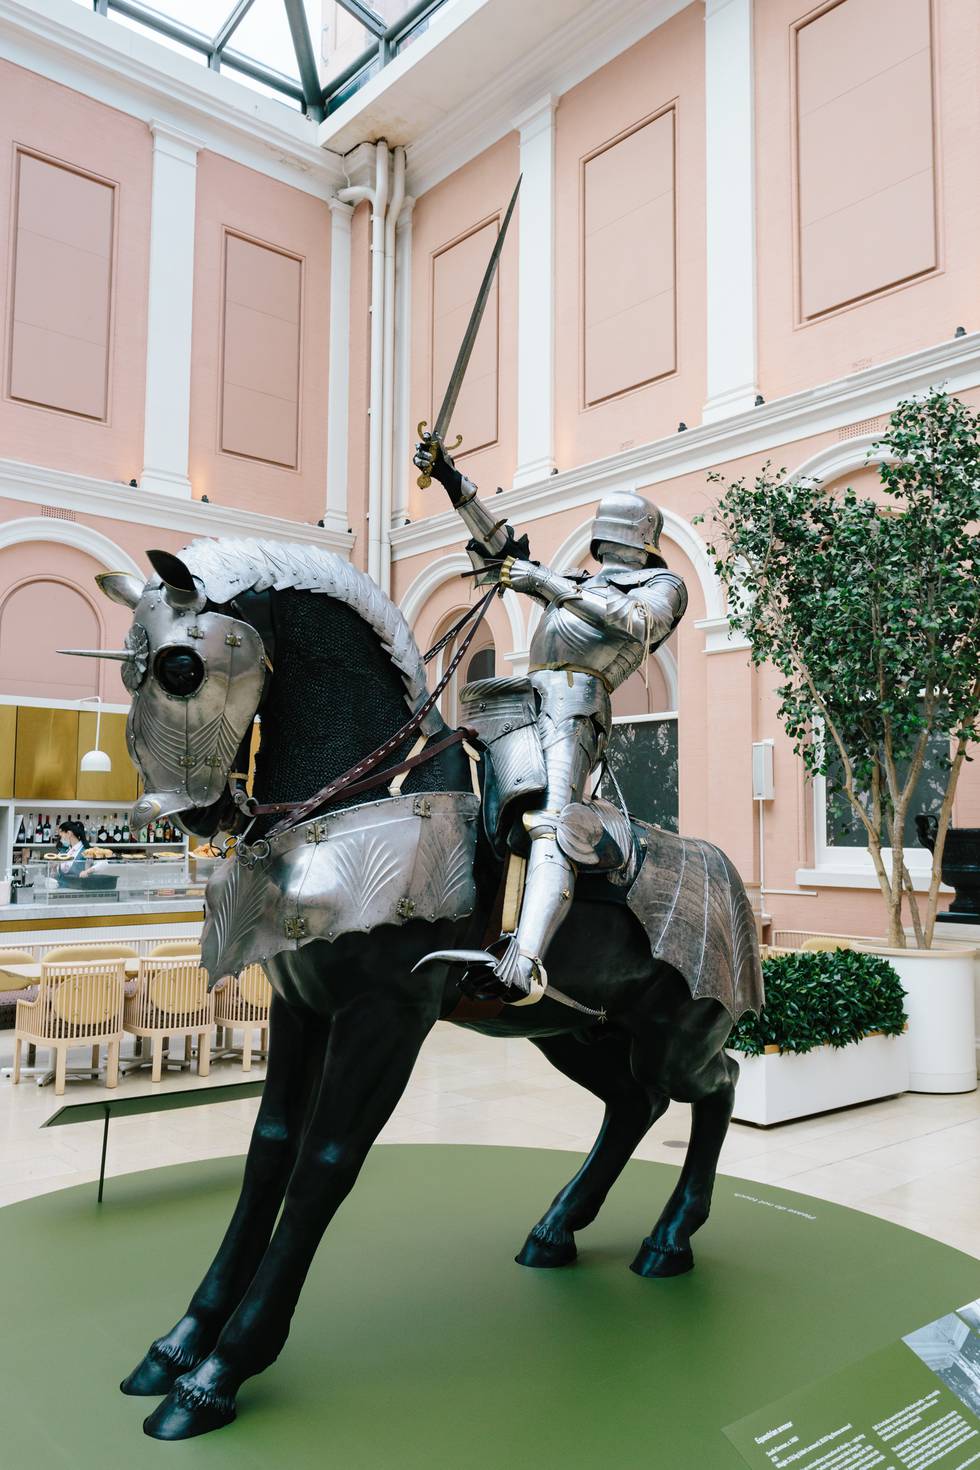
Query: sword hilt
<point>425,479</point>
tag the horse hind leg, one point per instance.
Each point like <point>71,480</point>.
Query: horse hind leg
<point>666,1251</point>
<point>295,1062</point>
<point>603,1068</point>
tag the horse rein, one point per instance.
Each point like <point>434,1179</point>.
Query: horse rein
<point>356,779</point>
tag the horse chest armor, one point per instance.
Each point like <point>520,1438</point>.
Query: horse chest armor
<point>384,862</point>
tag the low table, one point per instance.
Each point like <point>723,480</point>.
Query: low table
<point>147,1102</point>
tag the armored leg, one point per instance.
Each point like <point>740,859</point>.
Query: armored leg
<point>570,749</point>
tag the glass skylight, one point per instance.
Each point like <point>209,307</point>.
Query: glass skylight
<point>307,53</point>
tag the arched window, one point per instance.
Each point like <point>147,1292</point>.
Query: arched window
<point>480,662</point>
<point>643,751</point>
<point>36,618</point>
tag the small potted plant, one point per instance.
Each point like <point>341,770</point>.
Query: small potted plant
<point>830,1034</point>
<point>869,608</point>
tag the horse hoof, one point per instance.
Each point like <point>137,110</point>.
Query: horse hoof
<point>187,1412</point>
<point>657,1261</point>
<point>152,1377</point>
<point>546,1248</point>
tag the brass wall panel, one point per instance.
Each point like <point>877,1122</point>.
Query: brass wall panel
<point>8,741</point>
<point>117,785</point>
<point>46,758</point>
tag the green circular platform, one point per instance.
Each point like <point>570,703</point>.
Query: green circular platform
<point>419,1343</point>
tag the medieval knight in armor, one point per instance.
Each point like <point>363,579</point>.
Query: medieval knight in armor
<point>595,631</point>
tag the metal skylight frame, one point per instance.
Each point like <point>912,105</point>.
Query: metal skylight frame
<point>315,100</point>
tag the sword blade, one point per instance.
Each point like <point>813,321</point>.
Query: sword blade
<point>472,327</point>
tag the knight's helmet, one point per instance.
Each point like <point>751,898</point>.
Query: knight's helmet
<point>628,520</point>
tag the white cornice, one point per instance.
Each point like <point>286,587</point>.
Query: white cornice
<point>137,75</point>
<point>570,54</point>
<point>868,394</point>
<point>35,485</point>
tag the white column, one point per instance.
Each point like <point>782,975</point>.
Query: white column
<point>536,296</point>
<point>338,390</point>
<point>403,469</point>
<point>730,183</point>
<point>170,312</point>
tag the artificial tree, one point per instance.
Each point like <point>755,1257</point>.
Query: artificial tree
<point>869,608</point>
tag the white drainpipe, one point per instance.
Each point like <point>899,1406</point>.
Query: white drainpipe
<point>386,497</point>
<point>378,197</point>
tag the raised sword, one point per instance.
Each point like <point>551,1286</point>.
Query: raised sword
<point>438,431</point>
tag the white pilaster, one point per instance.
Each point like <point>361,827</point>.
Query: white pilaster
<point>170,312</point>
<point>536,296</point>
<point>403,363</point>
<point>338,391</point>
<point>730,184</point>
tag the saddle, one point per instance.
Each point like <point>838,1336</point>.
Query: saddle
<point>594,834</point>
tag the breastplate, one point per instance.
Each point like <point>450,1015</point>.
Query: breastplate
<point>562,639</point>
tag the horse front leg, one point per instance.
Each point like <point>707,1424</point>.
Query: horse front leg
<point>666,1251</point>
<point>603,1068</point>
<point>296,1049</point>
<point>373,1045</point>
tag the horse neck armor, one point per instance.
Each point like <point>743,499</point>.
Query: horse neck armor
<point>384,862</point>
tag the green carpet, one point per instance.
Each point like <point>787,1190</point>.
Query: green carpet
<point>419,1343</point>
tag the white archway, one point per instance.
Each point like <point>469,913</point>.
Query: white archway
<point>448,569</point>
<point>574,549</point>
<point>842,459</point>
<point>70,533</point>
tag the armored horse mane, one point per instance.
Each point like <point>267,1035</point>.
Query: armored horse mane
<point>232,566</point>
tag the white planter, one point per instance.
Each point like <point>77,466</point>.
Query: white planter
<point>781,1085</point>
<point>939,1000</point>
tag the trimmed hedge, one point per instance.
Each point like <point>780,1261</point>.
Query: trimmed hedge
<point>822,998</point>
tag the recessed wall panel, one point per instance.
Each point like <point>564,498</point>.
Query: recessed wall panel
<point>261,352</point>
<point>629,261</point>
<point>865,150</point>
<point>457,272</point>
<point>62,288</point>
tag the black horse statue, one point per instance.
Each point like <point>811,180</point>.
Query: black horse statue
<point>659,955</point>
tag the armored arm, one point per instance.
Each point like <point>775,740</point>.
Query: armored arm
<point>492,538</point>
<point>647,611</point>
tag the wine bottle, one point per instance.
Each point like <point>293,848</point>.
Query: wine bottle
<point>116,829</point>
<point>168,831</point>
<point>47,830</point>
<point>28,825</point>
<point>158,831</point>
<point>39,829</point>
<point>127,836</point>
<point>103,834</point>
<point>21,836</point>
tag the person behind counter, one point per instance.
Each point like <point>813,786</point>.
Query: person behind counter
<point>71,836</point>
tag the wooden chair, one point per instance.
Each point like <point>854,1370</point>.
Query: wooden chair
<point>78,1004</point>
<point>13,987</point>
<point>243,1004</point>
<point>825,943</point>
<point>97,950</point>
<point>172,948</point>
<point>171,999</point>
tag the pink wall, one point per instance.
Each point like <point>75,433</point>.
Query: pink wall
<point>49,600</point>
<point>80,340</point>
<point>634,247</point>
<point>245,364</point>
<point>474,195</point>
<point>854,165</point>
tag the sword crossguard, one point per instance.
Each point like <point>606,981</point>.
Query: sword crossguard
<point>425,479</point>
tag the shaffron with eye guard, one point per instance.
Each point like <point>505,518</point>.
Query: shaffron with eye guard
<point>184,745</point>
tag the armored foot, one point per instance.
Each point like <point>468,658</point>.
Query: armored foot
<point>167,1358</point>
<point>653,1260</point>
<point>198,1403</point>
<point>547,1246</point>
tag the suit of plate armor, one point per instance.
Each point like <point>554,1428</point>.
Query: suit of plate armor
<point>594,633</point>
